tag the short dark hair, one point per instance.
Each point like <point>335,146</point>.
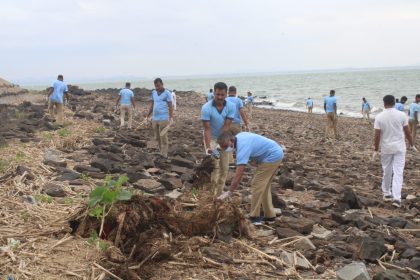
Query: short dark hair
<point>225,137</point>
<point>232,89</point>
<point>389,100</point>
<point>417,96</point>
<point>211,90</point>
<point>158,80</point>
<point>220,85</point>
<point>60,76</point>
<point>404,98</point>
<point>127,84</point>
<point>332,92</point>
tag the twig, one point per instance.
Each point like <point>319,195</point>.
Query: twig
<point>409,229</point>
<point>240,261</point>
<point>183,264</point>
<point>143,261</point>
<point>62,241</point>
<point>72,273</point>
<point>121,219</point>
<point>399,267</point>
<point>212,262</point>
<point>292,242</point>
<point>370,212</point>
<point>263,254</point>
<point>107,271</point>
<point>302,256</point>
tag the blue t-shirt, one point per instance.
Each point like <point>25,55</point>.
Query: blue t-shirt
<point>309,103</point>
<point>366,106</point>
<point>210,96</point>
<point>59,89</point>
<point>239,105</point>
<point>330,101</point>
<point>160,105</point>
<point>250,99</point>
<point>399,106</point>
<point>217,119</point>
<point>126,95</point>
<point>414,107</point>
<point>250,146</point>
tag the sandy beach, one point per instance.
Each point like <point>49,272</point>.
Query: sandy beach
<point>328,191</point>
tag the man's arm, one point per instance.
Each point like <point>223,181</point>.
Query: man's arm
<point>408,135</point>
<point>50,91</point>
<point>416,115</point>
<point>118,100</point>
<point>244,116</point>
<point>133,102</point>
<point>150,109</point>
<point>237,179</point>
<point>335,108</point>
<point>207,136</point>
<point>377,139</point>
<point>226,125</point>
<point>325,107</point>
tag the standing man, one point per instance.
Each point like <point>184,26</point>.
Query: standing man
<point>217,116</point>
<point>414,116</point>
<point>249,103</point>
<point>390,127</point>
<point>162,110</point>
<point>126,101</point>
<point>210,95</point>
<point>330,108</point>
<point>56,94</point>
<point>400,105</point>
<point>268,156</point>
<point>174,99</point>
<point>309,104</point>
<point>365,109</point>
<point>235,127</point>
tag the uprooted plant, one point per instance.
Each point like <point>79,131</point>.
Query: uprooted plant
<point>103,198</point>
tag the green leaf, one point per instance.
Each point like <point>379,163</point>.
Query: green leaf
<point>124,195</point>
<point>121,181</point>
<point>96,195</point>
<point>109,197</point>
<point>96,212</point>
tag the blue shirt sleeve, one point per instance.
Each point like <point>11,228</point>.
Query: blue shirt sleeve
<point>231,111</point>
<point>241,103</point>
<point>66,89</point>
<point>205,113</point>
<point>168,97</point>
<point>243,154</point>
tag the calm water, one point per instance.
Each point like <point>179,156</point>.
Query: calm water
<point>289,91</point>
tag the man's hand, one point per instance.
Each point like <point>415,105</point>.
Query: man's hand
<point>375,153</point>
<point>414,149</point>
<point>224,195</point>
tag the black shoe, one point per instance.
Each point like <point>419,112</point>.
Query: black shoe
<point>387,197</point>
<point>269,220</point>
<point>397,203</point>
<point>256,221</point>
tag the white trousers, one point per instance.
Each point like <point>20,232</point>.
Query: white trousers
<point>393,168</point>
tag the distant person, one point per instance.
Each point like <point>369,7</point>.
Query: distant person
<point>309,104</point>
<point>390,127</point>
<point>365,109</point>
<point>126,101</point>
<point>210,95</point>
<point>399,105</point>
<point>249,103</point>
<point>235,127</point>
<point>162,110</point>
<point>217,116</point>
<point>267,154</point>
<point>414,116</point>
<point>330,108</point>
<point>56,93</point>
<point>174,98</point>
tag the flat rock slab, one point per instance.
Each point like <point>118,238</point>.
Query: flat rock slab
<point>54,190</point>
<point>353,271</point>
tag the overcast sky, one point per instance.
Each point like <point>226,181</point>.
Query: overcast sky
<point>86,39</point>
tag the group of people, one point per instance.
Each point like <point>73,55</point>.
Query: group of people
<point>222,117</point>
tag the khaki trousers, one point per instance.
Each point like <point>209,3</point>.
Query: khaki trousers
<point>366,114</point>
<point>249,107</point>
<point>331,124</point>
<point>220,172</point>
<point>413,127</point>
<point>59,107</point>
<point>126,109</point>
<point>309,109</point>
<point>261,189</point>
<point>162,140</point>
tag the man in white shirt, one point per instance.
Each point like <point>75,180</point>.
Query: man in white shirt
<point>390,127</point>
<point>174,98</point>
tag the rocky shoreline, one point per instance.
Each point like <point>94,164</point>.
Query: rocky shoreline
<point>332,213</point>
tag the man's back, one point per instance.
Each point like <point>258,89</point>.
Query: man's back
<point>391,123</point>
<point>414,107</point>
<point>330,101</point>
<point>59,87</point>
<point>238,105</point>
<point>126,95</point>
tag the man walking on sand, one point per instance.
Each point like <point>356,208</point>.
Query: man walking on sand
<point>309,104</point>
<point>217,116</point>
<point>390,127</point>
<point>162,110</point>
<point>365,109</point>
<point>268,156</point>
<point>414,116</point>
<point>235,127</point>
<point>56,94</point>
<point>330,107</point>
<point>126,101</point>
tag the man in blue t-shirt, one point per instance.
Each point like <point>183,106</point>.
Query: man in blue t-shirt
<point>210,96</point>
<point>162,117</point>
<point>309,104</point>
<point>365,108</point>
<point>235,127</point>
<point>414,116</point>
<point>267,154</point>
<point>56,94</point>
<point>126,101</point>
<point>399,105</point>
<point>217,116</point>
<point>330,107</point>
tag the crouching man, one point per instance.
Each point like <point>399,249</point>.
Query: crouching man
<point>268,156</point>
